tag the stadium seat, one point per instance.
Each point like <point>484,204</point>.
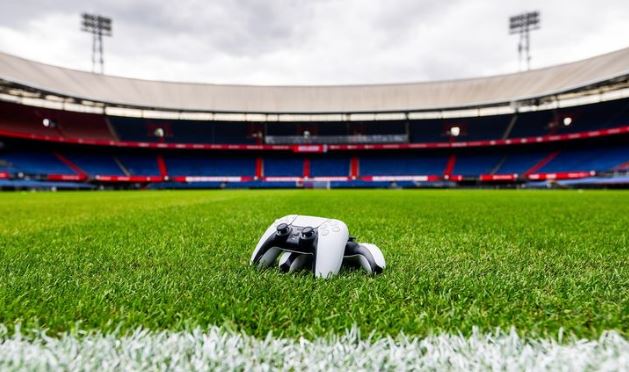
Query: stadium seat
<point>469,164</point>
<point>520,162</point>
<point>283,166</point>
<point>215,166</point>
<point>402,165</point>
<point>329,166</point>
<point>34,162</point>
<point>95,163</point>
<point>139,164</point>
<point>600,159</point>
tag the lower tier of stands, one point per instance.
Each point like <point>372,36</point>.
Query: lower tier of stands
<point>149,166</point>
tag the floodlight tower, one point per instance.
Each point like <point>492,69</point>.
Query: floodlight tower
<point>522,24</point>
<point>98,26</point>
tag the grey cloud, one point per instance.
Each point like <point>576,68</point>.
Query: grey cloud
<point>240,28</point>
<point>310,41</point>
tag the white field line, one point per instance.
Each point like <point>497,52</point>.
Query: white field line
<point>219,349</point>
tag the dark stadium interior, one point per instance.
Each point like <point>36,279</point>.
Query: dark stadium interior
<point>73,125</point>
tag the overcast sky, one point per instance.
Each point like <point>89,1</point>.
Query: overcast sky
<point>310,41</point>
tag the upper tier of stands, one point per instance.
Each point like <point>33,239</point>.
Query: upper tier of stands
<point>182,131</point>
<point>27,121</point>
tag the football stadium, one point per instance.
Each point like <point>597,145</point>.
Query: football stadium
<point>562,126</point>
<point>131,208</point>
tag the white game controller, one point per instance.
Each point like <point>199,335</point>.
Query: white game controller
<point>365,255</point>
<point>322,239</point>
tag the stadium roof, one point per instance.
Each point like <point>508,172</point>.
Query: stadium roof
<point>160,95</point>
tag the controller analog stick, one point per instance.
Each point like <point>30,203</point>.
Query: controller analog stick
<point>283,229</point>
<point>307,233</point>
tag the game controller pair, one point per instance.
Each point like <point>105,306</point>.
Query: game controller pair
<point>321,243</point>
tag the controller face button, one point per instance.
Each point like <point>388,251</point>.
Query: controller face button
<point>328,226</point>
<point>283,229</point>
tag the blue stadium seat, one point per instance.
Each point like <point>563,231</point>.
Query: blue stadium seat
<point>598,159</point>
<point>329,166</point>
<point>284,166</point>
<point>400,165</point>
<point>475,164</point>
<point>35,163</point>
<point>140,164</point>
<point>95,164</point>
<point>520,162</point>
<point>199,165</point>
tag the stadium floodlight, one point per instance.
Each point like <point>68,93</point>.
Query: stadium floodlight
<point>48,123</point>
<point>522,24</point>
<point>159,132</point>
<point>567,121</point>
<point>98,26</point>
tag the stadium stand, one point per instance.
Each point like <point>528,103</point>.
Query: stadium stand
<point>138,164</point>
<point>183,131</point>
<point>27,120</point>
<point>284,166</point>
<point>471,164</point>
<point>429,131</point>
<point>95,163</point>
<point>330,166</point>
<point>600,157</point>
<point>35,163</point>
<point>520,162</point>
<point>563,122</point>
<point>215,166</point>
<point>402,165</point>
<point>596,159</point>
<point>22,121</point>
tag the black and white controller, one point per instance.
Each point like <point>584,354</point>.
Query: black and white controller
<point>322,239</point>
<point>365,255</point>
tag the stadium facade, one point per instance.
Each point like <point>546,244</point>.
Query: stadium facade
<point>72,129</point>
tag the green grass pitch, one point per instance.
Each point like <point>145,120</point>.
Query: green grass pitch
<point>536,260</point>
